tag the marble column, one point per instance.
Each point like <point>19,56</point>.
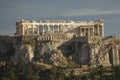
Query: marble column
<point>89,34</point>
<point>79,32</point>
<point>48,29</point>
<point>91,31</point>
<point>43,29</point>
<point>32,29</point>
<point>58,28</point>
<point>84,32</point>
<point>27,30</point>
<point>23,32</point>
<point>53,28</point>
<point>38,30</point>
<point>98,30</point>
<point>102,31</point>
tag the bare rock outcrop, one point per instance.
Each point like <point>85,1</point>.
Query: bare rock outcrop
<point>58,59</point>
<point>24,52</point>
<point>54,57</point>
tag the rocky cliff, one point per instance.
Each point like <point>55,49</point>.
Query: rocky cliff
<point>91,51</point>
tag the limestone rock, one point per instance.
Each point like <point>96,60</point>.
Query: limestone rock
<point>54,57</point>
<point>58,59</point>
<point>24,52</point>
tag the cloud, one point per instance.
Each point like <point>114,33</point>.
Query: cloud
<point>89,12</point>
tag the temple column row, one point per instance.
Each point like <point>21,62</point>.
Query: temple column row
<point>99,30</point>
<point>48,28</point>
<point>86,32</point>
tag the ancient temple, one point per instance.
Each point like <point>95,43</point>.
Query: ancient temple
<point>81,28</point>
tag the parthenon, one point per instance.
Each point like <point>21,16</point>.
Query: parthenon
<point>79,28</point>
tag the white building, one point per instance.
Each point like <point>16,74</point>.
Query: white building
<point>81,28</point>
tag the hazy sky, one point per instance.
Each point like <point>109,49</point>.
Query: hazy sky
<point>13,10</point>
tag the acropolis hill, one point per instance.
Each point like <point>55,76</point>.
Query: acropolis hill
<point>57,42</point>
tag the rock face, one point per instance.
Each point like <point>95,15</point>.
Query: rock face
<point>92,51</point>
<point>58,59</point>
<point>48,55</point>
<point>24,52</point>
<point>105,51</point>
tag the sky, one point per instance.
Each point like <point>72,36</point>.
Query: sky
<point>14,10</point>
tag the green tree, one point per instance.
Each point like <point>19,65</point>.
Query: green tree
<point>4,78</point>
<point>20,67</point>
<point>30,75</point>
<point>60,74</point>
<point>92,75</point>
<point>100,72</point>
<point>116,72</point>
<point>12,75</point>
